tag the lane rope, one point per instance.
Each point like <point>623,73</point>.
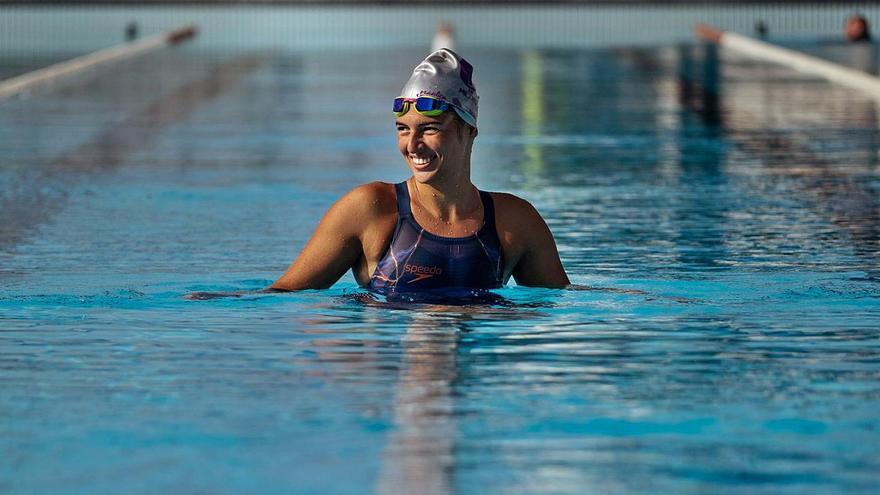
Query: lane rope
<point>25,82</point>
<point>801,62</point>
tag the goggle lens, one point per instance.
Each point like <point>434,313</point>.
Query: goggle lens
<point>424,105</point>
<point>430,107</point>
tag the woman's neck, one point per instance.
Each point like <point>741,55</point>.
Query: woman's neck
<point>446,202</point>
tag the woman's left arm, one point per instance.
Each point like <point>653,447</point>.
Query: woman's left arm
<point>537,258</point>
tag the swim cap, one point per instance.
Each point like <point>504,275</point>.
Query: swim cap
<point>447,76</point>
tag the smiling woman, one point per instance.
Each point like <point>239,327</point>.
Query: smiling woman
<point>436,230</point>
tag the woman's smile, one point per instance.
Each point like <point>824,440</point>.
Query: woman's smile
<point>422,162</point>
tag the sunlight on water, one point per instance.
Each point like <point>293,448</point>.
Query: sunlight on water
<point>721,222</point>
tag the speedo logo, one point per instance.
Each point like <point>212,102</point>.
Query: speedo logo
<point>421,272</point>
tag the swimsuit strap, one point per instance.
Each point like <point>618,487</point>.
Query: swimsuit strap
<point>488,210</point>
<point>403,209</point>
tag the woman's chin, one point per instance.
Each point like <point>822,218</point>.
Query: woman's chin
<point>423,176</point>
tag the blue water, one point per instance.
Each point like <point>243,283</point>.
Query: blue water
<point>723,212</point>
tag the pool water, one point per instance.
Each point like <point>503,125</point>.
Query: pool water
<point>723,213</point>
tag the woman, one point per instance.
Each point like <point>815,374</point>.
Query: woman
<point>435,230</point>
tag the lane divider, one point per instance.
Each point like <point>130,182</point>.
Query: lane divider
<point>25,82</point>
<point>801,62</point>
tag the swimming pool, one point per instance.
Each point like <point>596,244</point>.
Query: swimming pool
<point>739,198</point>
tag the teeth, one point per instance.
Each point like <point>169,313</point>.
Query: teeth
<point>420,161</point>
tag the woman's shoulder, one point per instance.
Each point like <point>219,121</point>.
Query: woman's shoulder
<point>519,223</point>
<point>512,206</point>
<point>372,198</point>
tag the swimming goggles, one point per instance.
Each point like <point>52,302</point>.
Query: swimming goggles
<point>425,105</point>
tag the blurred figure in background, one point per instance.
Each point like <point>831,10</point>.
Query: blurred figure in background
<point>443,38</point>
<point>761,29</point>
<point>131,31</point>
<point>862,54</point>
<point>857,29</point>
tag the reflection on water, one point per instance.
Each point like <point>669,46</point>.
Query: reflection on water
<point>32,196</point>
<point>723,212</point>
<point>419,455</point>
<point>822,166</point>
<point>532,110</point>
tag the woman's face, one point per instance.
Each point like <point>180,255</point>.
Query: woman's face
<point>434,148</point>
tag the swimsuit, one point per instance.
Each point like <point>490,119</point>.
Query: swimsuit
<point>418,261</point>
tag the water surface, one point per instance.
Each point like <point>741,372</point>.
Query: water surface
<point>724,211</point>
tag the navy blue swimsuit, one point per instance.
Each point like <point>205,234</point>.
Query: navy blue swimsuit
<point>417,260</point>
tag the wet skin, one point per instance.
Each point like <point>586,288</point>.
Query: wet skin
<point>356,231</point>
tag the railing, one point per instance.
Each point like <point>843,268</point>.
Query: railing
<point>27,29</point>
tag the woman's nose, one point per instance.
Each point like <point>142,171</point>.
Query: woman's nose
<point>414,143</point>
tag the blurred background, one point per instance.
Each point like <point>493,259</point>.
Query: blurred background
<point>40,27</point>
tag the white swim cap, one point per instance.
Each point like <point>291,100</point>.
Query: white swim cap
<point>446,76</point>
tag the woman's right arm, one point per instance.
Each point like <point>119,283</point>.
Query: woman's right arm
<point>335,246</point>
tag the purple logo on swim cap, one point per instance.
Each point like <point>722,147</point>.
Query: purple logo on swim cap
<point>467,73</point>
